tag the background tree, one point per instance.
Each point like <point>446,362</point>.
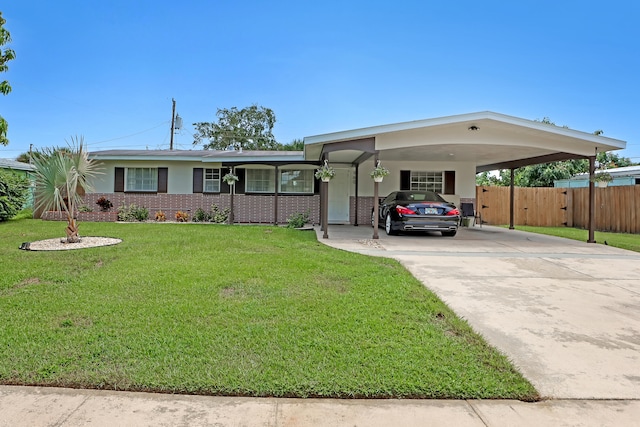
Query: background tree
<point>25,157</point>
<point>249,128</point>
<point>543,175</point>
<point>295,145</point>
<point>59,177</point>
<point>500,178</point>
<point>13,194</point>
<point>6,55</point>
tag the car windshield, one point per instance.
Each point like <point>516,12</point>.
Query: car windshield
<point>419,196</point>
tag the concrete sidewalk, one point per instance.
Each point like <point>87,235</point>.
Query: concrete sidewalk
<point>41,406</point>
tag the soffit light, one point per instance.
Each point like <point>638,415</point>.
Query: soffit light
<point>473,128</point>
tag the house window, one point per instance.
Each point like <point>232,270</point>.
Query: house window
<point>141,179</point>
<point>260,181</point>
<point>296,181</point>
<point>212,180</point>
<point>426,181</point>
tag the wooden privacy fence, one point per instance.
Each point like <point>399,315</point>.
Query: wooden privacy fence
<point>616,209</point>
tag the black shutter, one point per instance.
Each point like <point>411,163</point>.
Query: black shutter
<point>316,185</point>
<point>197,180</point>
<point>118,185</point>
<point>224,187</point>
<point>449,182</point>
<point>240,184</point>
<point>163,177</point>
<point>405,180</point>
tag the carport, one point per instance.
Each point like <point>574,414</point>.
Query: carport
<point>459,146</point>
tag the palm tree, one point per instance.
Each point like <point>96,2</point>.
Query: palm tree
<point>60,174</point>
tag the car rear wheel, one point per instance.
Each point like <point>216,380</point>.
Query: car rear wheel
<point>449,233</point>
<point>387,226</point>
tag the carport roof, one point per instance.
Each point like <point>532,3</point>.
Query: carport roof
<point>487,139</point>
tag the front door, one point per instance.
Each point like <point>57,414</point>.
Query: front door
<point>339,192</point>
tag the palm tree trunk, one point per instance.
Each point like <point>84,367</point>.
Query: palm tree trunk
<point>72,231</point>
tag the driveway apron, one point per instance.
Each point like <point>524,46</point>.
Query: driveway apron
<point>567,313</point>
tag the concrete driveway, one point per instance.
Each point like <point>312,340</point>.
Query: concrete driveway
<point>567,313</point>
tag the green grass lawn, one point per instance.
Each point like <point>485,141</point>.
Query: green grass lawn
<point>619,240</point>
<point>232,310</point>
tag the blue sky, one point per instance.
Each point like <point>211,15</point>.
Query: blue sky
<point>108,70</point>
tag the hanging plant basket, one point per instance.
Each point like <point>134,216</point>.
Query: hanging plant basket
<point>602,179</point>
<point>325,172</point>
<point>230,178</point>
<point>379,172</point>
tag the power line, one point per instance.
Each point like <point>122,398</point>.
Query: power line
<point>128,136</point>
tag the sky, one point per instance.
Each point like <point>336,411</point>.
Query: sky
<point>108,70</point>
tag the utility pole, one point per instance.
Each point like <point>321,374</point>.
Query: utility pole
<point>30,153</point>
<point>173,122</point>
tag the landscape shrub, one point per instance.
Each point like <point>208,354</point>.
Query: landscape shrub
<point>201,215</point>
<point>132,213</point>
<point>104,203</point>
<point>13,194</point>
<point>298,220</point>
<point>182,216</point>
<point>219,216</point>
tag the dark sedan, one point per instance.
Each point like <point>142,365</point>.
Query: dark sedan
<point>417,211</point>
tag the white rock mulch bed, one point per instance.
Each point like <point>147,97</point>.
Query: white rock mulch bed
<point>59,245</point>
<point>371,243</point>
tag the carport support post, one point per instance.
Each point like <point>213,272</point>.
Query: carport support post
<point>511,198</point>
<point>592,200</point>
<point>376,203</point>
<point>325,208</point>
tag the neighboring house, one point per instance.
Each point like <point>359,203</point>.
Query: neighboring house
<point>22,169</point>
<point>628,175</point>
<point>442,155</point>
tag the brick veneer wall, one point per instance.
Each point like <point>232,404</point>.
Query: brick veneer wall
<point>365,204</point>
<point>247,208</point>
<point>81,216</point>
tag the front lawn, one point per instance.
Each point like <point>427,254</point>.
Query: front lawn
<point>619,240</point>
<point>232,310</point>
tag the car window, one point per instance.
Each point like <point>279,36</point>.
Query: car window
<point>389,198</point>
<point>421,196</point>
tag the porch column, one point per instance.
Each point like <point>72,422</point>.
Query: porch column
<point>324,203</point>
<point>511,199</point>
<point>275,199</point>
<point>592,200</point>
<point>356,192</point>
<point>325,209</point>
<point>375,203</point>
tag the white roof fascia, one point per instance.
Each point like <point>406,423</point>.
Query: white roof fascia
<point>484,115</point>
